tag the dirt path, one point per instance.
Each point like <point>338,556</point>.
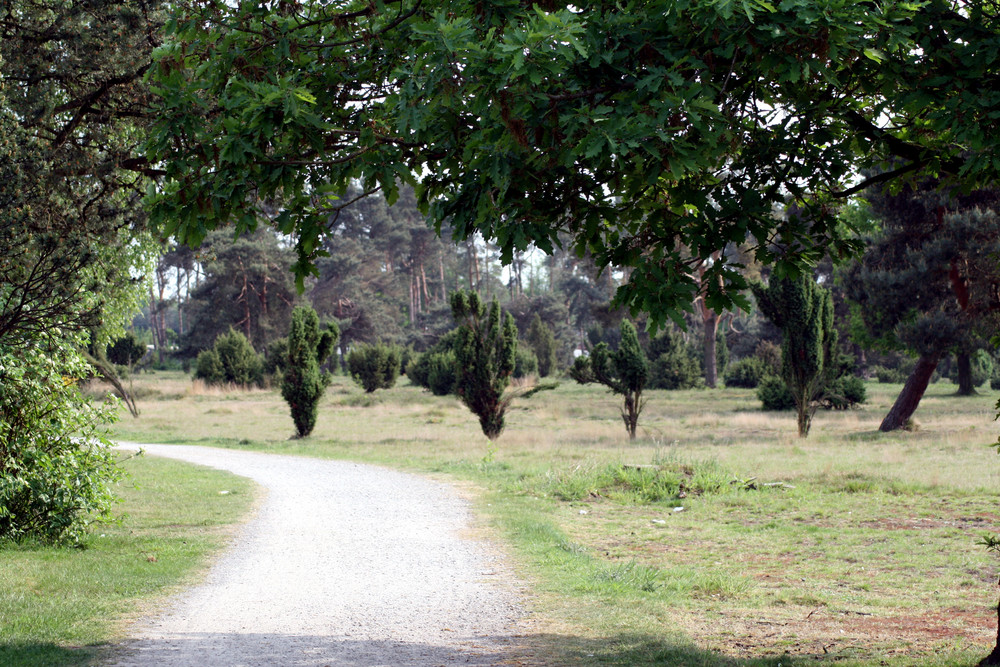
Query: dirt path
<point>343,565</point>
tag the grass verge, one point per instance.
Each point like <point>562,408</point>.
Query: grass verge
<point>62,606</point>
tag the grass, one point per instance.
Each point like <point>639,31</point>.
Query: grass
<point>62,606</point>
<point>717,538</point>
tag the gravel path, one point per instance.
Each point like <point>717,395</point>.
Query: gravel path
<point>343,565</point>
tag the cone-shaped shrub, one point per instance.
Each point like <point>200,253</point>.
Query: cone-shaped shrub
<point>304,382</point>
<point>485,351</point>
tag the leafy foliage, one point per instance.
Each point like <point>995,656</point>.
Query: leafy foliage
<point>485,353</point>
<point>56,465</point>
<point>232,360</point>
<point>375,366</point>
<point>304,382</point>
<point>684,123</point>
<point>625,372</point>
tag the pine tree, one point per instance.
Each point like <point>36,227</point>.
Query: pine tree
<point>926,284</point>
<point>803,310</point>
<point>625,372</point>
<point>304,382</point>
<point>485,351</point>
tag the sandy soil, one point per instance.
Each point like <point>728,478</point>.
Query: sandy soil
<point>343,565</point>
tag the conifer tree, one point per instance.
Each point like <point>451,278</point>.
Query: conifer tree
<point>485,351</point>
<point>625,372</point>
<point>803,310</point>
<point>304,382</point>
<point>543,343</point>
<point>927,282</point>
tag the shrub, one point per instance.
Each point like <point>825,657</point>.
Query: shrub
<point>485,350</point>
<point>770,354</point>
<point>374,366</point>
<point>435,369</point>
<point>888,375</point>
<point>56,466</point>
<point>277,358</point>
<point>126,351</point>
<point>441,376</point>
<point>304,383</point>
<point>845,392</point>
<point>543,344</point>
<point>747,373</point>
<point>581,371</point>
<point>232,360</point>
<point>625,372</point>
<point>774,394</point>
<point>525,363</point>
<point>208,367</point>
<point>673,365</point>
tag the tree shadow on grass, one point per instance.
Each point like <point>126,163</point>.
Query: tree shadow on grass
<point>678,651</point>
<point>45,654</point>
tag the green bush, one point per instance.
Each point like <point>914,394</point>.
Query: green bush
<point>56,466</point>
<point>525,363</point>
<point>440,359</point>
<point>208,367</point>
<point>624,371</point>
<point>747,373</point>
<point>441,376</point>
<point>581,371</point>
<point>374,366</point>
<point>774,394</point>
<point>675,370</point>
<point>304,382</point>
<point>485,352</point>
<point>543,344</point>
<point>888,375</point>
<point>845,392</point>
<point>232,360</point>
<point>672,364</point>
<point>126,351</point>
<point>277,358</point>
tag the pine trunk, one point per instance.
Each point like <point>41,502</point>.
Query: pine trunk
<point>908,399</point>
<point>964,362</point>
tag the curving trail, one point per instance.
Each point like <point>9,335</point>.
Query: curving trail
<point>344,564</point>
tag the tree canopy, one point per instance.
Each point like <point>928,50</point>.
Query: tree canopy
<point>654,133</point>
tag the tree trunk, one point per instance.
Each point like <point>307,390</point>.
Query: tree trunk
<point>994,657</point>
<point>711,323</point>
<point>965,387</point>
<point>908,399</point>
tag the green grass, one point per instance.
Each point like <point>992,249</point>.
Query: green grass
<point>61,606</point>
<point>717,538</point>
